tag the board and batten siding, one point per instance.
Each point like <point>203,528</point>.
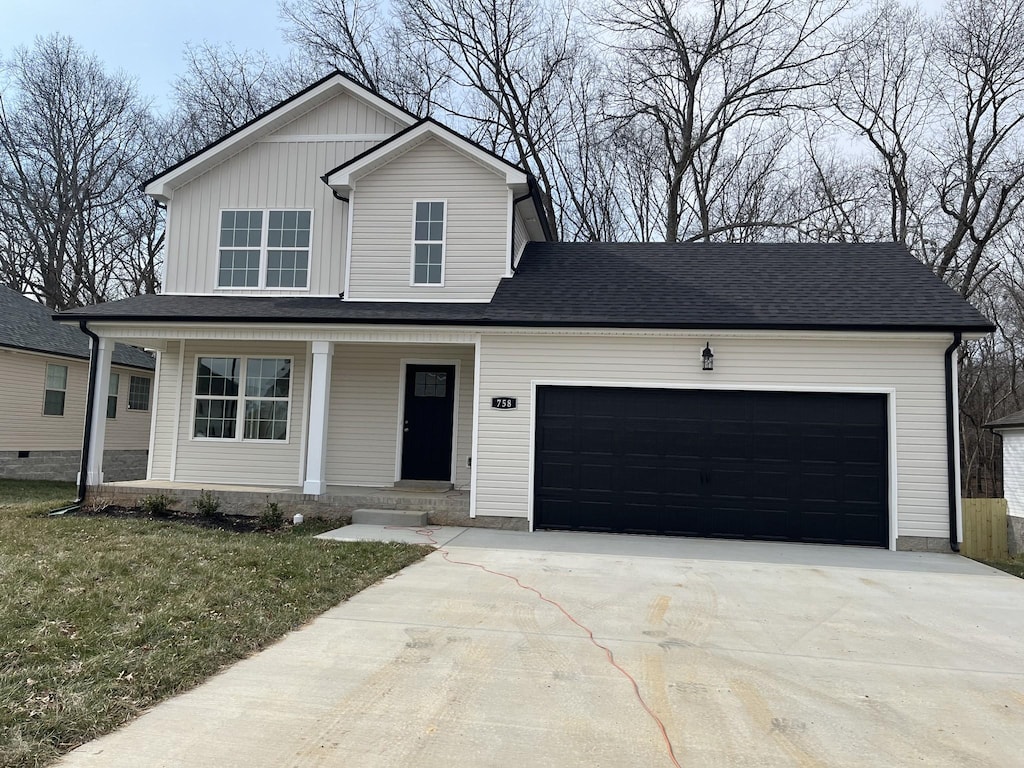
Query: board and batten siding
<point>912,367</point>
<point>476,244</point>
<point>366,404</point>
<point>23,427</point>
<point>242,462</point>
<point>282,171</point>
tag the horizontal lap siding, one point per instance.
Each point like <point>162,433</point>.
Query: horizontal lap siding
<point>913,368</point>
<point>129,431</point>
<point>364,409</point>
<point>477,222</point>
<point>1013,471</point>
<point>272,175</point>
<point>243,462</point>
<point>25,428</point>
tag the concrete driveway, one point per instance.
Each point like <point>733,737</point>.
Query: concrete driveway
<point>752,655</point>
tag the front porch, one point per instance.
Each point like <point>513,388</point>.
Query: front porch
<point>449,507</point>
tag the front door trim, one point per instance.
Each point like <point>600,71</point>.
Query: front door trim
<point>403,366</point>
<point>890,393</point>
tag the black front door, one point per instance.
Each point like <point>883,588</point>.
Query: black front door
<point>427,422</point>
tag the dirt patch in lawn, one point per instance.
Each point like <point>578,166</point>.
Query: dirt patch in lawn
<point>235,523</point>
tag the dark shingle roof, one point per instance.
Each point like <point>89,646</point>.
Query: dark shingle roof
<point>837,286</point>
<point>27,324</point>
<point>718,285</point>
<point>1013,420</point>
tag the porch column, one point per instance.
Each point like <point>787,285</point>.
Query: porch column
<point>319,400</point>
<point>101,386</point>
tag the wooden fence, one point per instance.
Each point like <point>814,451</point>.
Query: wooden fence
<point>985,529</point>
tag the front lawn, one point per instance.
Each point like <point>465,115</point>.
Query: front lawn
<point>101,618</point>
<point>1014,565</point>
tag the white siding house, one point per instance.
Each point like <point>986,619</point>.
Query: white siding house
<point>365,304</point>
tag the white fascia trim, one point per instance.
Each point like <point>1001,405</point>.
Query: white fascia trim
<point>162,188</point>
<point>343,179</point>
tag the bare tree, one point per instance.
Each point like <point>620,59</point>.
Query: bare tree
<point>223,88</point>
<point>980,184</point>
<point>71,149</point>
<point>881,87</point>
<point>696,71</point>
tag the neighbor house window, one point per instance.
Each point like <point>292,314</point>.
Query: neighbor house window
<point>253,390</point>
<point>138,393</point>
<point>115,385</point>
<point>428,243</point>
<point>264,249</point>
<point>56,390</point>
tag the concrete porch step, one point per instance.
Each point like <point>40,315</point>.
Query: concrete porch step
<point>389,517</point>
<point>436,486</point>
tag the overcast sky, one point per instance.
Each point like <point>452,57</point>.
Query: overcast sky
<point>145,39</point>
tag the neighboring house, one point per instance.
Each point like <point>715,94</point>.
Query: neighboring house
<point>44,372</point>
<point>358,297</point>
<point>1011,430</point>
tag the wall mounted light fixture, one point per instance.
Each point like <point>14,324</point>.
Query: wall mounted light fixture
<point>707,358</point>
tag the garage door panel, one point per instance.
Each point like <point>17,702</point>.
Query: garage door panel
<point>766,465</point>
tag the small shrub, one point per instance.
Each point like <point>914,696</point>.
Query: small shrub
<point>270,518</point>
<point>157,504</point>
<point>207,504</point>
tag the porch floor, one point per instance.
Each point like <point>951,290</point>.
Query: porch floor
<point>333,491</point>
<point>442,507</point>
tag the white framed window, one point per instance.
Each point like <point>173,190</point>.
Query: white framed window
<point>428,240</point>
<point>139,389</point>
<point>115,385</point>
<point>55,391</point>
<point>242,398</point>
<point>264,249</point>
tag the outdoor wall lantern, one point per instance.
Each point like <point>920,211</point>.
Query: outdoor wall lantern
<point>707,358</point>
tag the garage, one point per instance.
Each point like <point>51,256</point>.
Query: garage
<point>785,466</point>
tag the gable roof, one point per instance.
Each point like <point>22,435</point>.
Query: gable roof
<point>340,178</point>
<point>162,184</point>
<point>771,286</point>
<point>29,325</point>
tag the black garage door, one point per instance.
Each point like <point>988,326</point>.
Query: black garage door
<point>754,465</point>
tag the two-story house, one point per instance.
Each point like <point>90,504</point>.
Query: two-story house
<point>356,297</point>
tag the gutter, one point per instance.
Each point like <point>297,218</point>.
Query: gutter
<point>87,437</point>
<point>952,458</point>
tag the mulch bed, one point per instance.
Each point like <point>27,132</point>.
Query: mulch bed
<point>236,523</point>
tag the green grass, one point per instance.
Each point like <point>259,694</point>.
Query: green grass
<point>1014,566</point>
<point>101,618</point>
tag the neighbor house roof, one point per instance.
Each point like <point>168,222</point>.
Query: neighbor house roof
<point>837,286</point>
<point>1013,420</point>
<point>27,324</point>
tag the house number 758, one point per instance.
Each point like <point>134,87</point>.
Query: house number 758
<point>503,403</point>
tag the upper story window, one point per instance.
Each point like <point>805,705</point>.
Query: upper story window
<point>56,390</point>
<point>264,249</point>
<point>428,243</point>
